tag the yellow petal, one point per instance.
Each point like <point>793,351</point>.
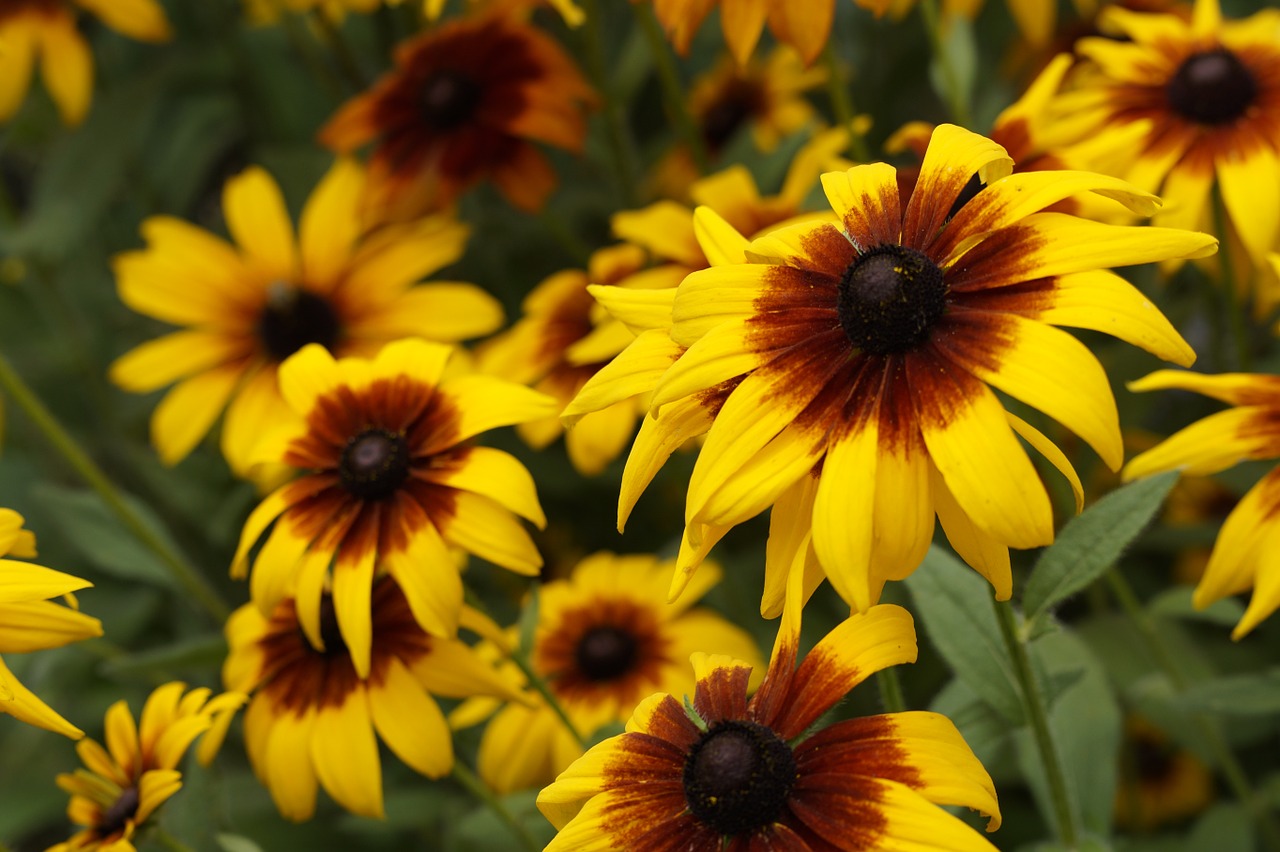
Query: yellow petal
<point>410,722</point>
<point>258,220</point>
<point>330,223</point>
<point>66,65</point>
<point>189,410</point>
<point>345,753</point>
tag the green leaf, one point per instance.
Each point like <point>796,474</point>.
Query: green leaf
<point>1091,543</point>
<point>1239,695</point>
<point>198,653</point>
<point>1176,603</point>
<point>954,604</point>
<point>1224,828</point>
<point>236,843</point>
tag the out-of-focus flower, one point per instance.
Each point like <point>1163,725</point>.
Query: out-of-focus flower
<point>121,785</point>
<point>392,479</point>
<point>248,307</point>
<point>47,29</point>
<point>30,621</point>
<point>465,102</point>
<point>268,11</point>
<point>1159,782</point>
<point>606,639</point>
<point>719,771</point>
<point>849,368</point>
<point>1242,556</point>
<point>313,717</point>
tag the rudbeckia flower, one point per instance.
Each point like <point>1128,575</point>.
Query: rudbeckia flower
<point>47,28</point>
<point>313,717</point>
<point>465,102</point>
<point>248,307</point>
<point>1160,783</point>
<point>849,368</point>
<point>1242,556</point>
<point>122,785</point>
<point>721,772</point>
<point>1206,93</point>
<point>606,639</point>
<point>266,11</point>
<point>30,621</point>
<point>391,480</point>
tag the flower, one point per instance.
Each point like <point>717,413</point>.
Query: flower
<point>123,784</point>
<point>465,102</point>
<point>268,11</point>
<point>48,28</point>
<point>1241,557</point>
<point>30,621</point>
<point>848,368</point>
<point>392,479</point>
<point>1159,782</point>
<point>312,718</point>
<point>722,772</point>
<point>1205,95</point>
<point>606,638</point>
<point>247,308</point>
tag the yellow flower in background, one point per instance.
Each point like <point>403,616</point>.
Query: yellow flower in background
<point>849,367</point>
<point>1180,107</point>
<point>606,639</point>
<point>1243,555</point>
<point>268,11</point>
<point>718,771</point>
<point>122,785</point>
<point>247,307</point>
<point>314,721</point>
<point>1160,782</point>
<point>31,621</point>
<point>391,479</point>
<point>46,29</point>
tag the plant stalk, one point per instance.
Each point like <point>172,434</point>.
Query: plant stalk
<point>476,787</point>
<point>954,96</point>
<point>672,89</point>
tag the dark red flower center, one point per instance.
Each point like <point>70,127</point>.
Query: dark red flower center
<point>449,98</point>
<point>889,299</point>
<point>738,776</point>
<point>292,318</point>
<point>605,653</point>
<point>738,102</point>
<point>1212,87</point>
<point>374,464</point>
<point>1152,760</point>
<point>117,817</point>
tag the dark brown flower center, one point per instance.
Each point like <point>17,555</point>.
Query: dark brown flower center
<point>1212,87</point>
<point>117,817</point>
<point>740,100</point>
<point>889,299</point>
<point>605,653</point>
<point>293,318</point>
<point>738,776</point>
<point>374,464</point>
<point>1152,760</point>
<point>449,98</point>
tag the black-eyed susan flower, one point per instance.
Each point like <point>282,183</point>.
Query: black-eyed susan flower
<point>391,481</point>
<point>1160,782</point>
<point>1242,555</point>
<point>465,102</point>
<point>266,11</point>
<point>314,721</point>
<point>606,639</point>
<point>46,30</point>
<point>1204,98</point>
<point>248,307</point>
<point>720,772</point>
<point>30,621</point>
<point>855,362</point>
<point>122,785</point>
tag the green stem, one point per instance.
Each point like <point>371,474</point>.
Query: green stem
<point>467,778</point>
<point>1038,716</point>
<point>301,44</point>
<point>842,103</point>
<point>615,116</point>
<point>191,580</point>
<point>890,690</point>
<point>672,89</point>
<point>954,94</point>
<point>1235,310</point>
<point>340,49</point>
<point>168,841</point>
<point>1223,756</point>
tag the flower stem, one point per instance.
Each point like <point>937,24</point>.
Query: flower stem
<point>842,105</point>
<point>672,89</point>
<point>341,51</point>
<point>467,778</point>
<point>191,580</point>
<point>1235,310</point>
<point>1038,716</point>
<point>890,691</point>
<point>615,115</point>
<point>1231,770</point>
<point>954,94</point>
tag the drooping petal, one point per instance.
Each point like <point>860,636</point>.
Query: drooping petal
<point>345,753</point>
<point>410,722</point>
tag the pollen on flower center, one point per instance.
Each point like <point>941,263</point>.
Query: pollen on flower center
<point>889,299</point>
<point>1212,87</point>
<point>738,776</point>
<point>605,653</point>
<point>116,817</point>
<point>293,318</point>
<point>374,464</point>
<point>448,99</point>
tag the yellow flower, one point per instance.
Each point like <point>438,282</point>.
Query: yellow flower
<point>392,480</point>
<point>246,308</point>
<point>122,785</point>
<point>268,11</point>
<point>606,639</point>
<point>47,28</point>
<point>30,621</point>
<point>1159,782</point>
